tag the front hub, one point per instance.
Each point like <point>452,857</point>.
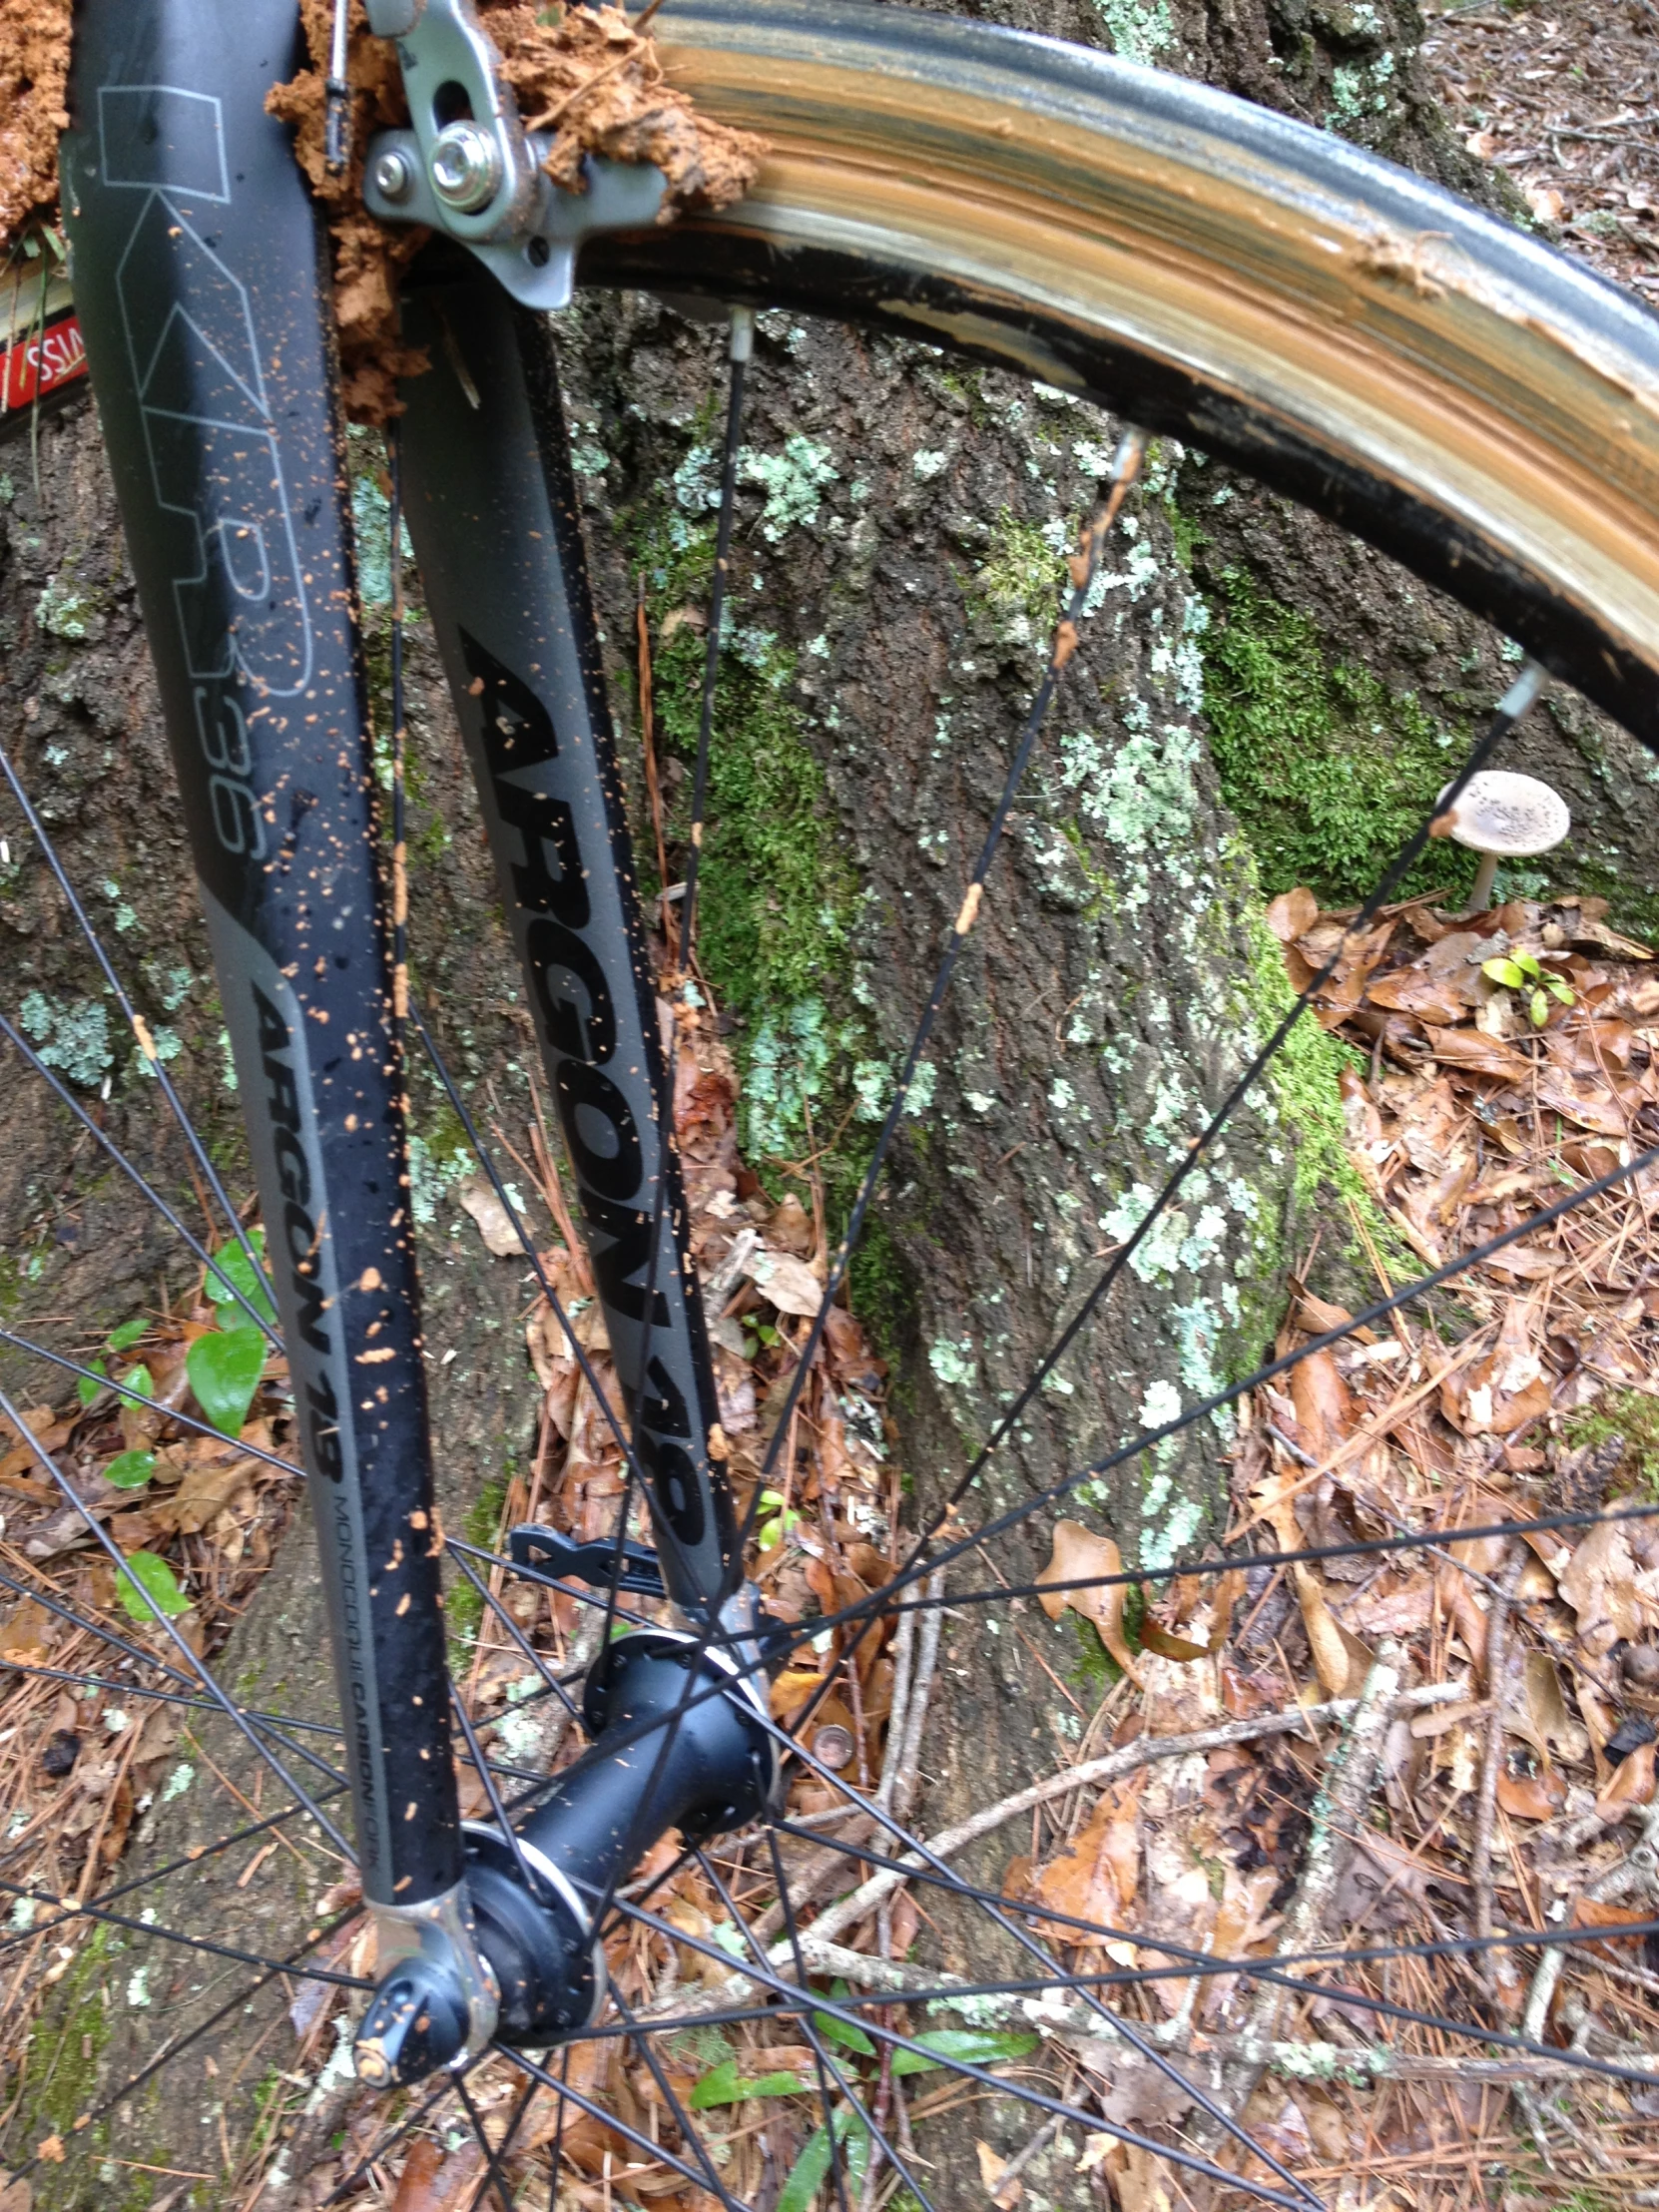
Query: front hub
<point>603,1814</point>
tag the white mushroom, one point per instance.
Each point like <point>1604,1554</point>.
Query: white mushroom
<point>1501,814</point>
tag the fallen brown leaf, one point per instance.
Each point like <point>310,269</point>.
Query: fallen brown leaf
<point>1097,1878</point>
<point>1340,1660</point>
<point>1079,1552</point>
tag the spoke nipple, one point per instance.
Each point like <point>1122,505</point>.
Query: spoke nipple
<point>969,911</point>
<point>833,1745</point>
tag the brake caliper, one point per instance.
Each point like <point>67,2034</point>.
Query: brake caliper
<point>469,168</point>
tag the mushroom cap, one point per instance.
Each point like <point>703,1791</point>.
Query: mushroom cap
<point>1500,811</point>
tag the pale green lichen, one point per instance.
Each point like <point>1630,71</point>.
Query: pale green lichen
<point>74,1038</point>
<point>1013,597</point>
<point>794,482</point>
<point>1139,32</point>
<point>954,1363</point>
<point>64,609</point>
<point>434,1170</point>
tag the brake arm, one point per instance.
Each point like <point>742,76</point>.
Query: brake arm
<point>531,1547</point>
<point>469,168</point>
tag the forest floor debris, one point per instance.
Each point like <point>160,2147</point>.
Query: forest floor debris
<point>1345,1756</point>
<point>1562,98</point>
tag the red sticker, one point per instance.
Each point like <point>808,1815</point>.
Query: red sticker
<point>41,362</point>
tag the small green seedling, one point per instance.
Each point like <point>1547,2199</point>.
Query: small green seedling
<point>775,1520</point>
<point>1521,972</point>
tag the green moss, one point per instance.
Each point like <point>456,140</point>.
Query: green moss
<point>1015,593</point>
<point>1633,1419</point>
<point>64,2052</point>
<point>883,1296</point>
<point>1327,771</point>
<point>777,898</point>
<point>483,1517</point>
<point>1304,1081</point>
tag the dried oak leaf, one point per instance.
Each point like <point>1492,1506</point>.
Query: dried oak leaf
<point>1324,1405</point>
<point>1078,1553</point>
<point>1612,1596</point>
<point>1097,1878</point>
<point>1339,1658</point>
<point>1292,915</point>
<point>433,2178</point>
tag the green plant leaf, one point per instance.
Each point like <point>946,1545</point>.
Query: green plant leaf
<point>147,1587</point>
<point>129,1470</point>
<point>234,1260</point>
<point>1538,1008</point>
<point>127,1334</point>
<point>1527,963</point>
<point>225,1367</point>
<point>805,2176</point>
<point>844,2032</point>
<point>981,2046</point>
<point>1501,971</point>
<point>723,2084</point>
<point>86,1389</point>
<point>1562,989</point>
<point>139,1381</point>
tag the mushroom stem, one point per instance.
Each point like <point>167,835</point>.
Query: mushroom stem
<point>1485,876</point>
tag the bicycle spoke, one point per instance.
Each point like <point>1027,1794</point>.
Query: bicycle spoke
<point>170,2051</point>
<point>1126,464</point>
<point>232,1713</point>
<point>159,1874</point>
<point>147,1189</point>
<point>134,1398</point>
<point>550,1681</point>
<point>74,1910</point>
<point>494,2177</point>
<point>688,2131</point>
<point>653,2151</point>
<point>527,1245</point>
<point>1115,2022</point>
<point>1510,709</point>
<point>135,1023</point>
<point>1061,2108</point>
<point>276,1722</point>
<point>826,2064</point>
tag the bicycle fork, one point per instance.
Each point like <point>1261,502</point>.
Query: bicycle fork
<point>197,269</point>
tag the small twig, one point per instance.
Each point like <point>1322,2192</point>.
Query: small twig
<point>1634,1872</point>
<point>907,1775</point>
<point>1492,1762</point>
<point>850,1910</point>
<point>1337,1813</point>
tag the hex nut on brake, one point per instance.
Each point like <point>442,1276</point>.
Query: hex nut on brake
<point>465,167</point>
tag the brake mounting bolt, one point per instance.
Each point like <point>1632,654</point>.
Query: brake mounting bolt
<point>465,167</point>
<point>393,176</point>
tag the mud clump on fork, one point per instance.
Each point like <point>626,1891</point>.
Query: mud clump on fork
<point>590,78</point>
<point>34,76</point>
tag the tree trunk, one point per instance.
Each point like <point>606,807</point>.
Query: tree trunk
<point>899,556</point>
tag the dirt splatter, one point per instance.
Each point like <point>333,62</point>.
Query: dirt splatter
<point>589,77</point>
<point>34,71</point>
<point>596,81</point>
<point>368,257</point>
